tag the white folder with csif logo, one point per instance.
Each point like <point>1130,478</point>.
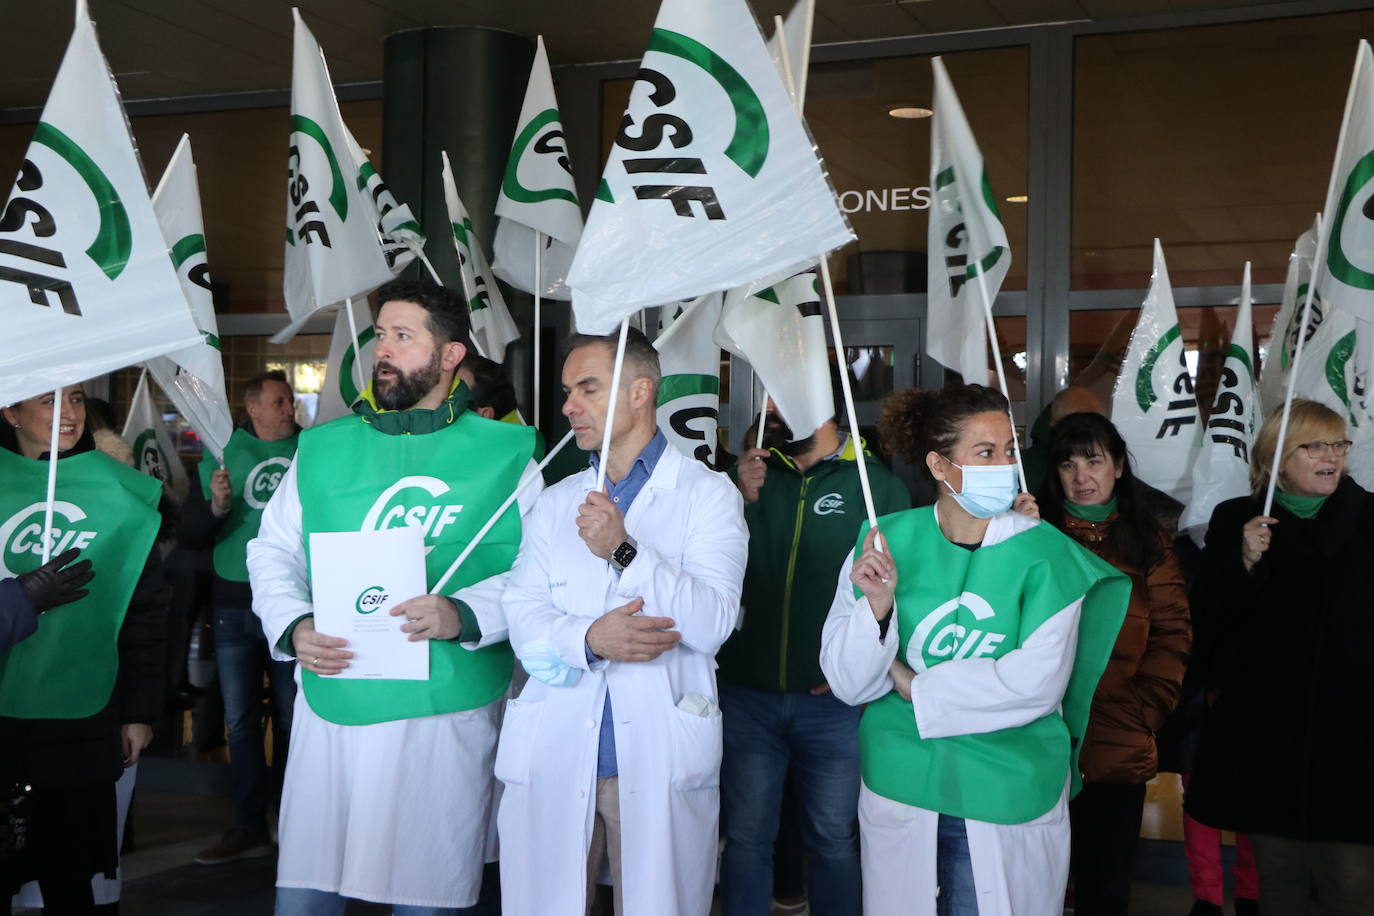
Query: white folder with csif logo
<point>356,578</point>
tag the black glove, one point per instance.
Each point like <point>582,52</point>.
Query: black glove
<point>50,585</point>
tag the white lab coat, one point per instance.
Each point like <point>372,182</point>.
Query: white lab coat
<point>689,525</point>
<point>1021,868</point>
<point>395,812</point>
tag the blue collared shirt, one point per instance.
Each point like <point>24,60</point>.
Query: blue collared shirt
<point>623,494</point>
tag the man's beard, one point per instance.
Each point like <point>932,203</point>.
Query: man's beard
<point>404,390</point>
<point>778,435</point>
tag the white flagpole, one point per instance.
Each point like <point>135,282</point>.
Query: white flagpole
<point>1001,376</point>
<point>610,405</point>
<point>538,258</point>
<point>1293,370</point>
<point>763,415</point>
<point>52,472</point>
<point>848,392</point>
<point>432,272</point>
<point>357,345</point>
<point>496,516</point>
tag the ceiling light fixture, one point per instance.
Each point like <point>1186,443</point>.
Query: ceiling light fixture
<point>909,112</point>
<point>1017,199</point>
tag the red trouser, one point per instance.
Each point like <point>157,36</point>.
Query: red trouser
<point>1203,847</point>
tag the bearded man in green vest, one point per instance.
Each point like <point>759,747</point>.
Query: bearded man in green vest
<point>223,513</point>
<point>389,786</point>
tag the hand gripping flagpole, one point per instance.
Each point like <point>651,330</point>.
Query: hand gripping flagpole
<point>604,461</point>
<point>52,473</point>
<point>1293,370</point>
<point>538,259</point>
<point>498,514</point>
<point>357,345</point>
<point>1001,375</point>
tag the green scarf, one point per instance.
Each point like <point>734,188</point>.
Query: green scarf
<point>1091,513</point>
<point>1301,506</point>
<point>414,422</point>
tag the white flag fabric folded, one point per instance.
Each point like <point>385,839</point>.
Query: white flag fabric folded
<point>689,361</point>
<point>344,369</point>
<point>1153,404</point>
<point>398,230</point>
<point>1283,335</point>
<point>1222,469</point>
<point>86,284</point>
<point>154,452</point>
<point>964,235</point>
<point>537,194</point>
<point>492,325</point>
<point>334,249</point>
<point>1345,269</point>
<point>780,331</point>
<point>713,180</point>
<point>193,378</point>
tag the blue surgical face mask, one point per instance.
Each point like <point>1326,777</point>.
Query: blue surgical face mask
<point>989,489</point>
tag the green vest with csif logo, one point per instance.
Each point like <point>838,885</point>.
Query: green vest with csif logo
<point>67,669</point>
<point>955,603</point>
<point>255,468</point>
<point>354,477</point>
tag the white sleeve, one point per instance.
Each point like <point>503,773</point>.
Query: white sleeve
<point>701,594</point>
<point>277,570</point>
<point>972,696</point>
<point>487,597</point>
<point>533,618</point>
<point>855,660</point>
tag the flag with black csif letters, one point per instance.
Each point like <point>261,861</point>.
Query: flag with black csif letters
<point>689,360</point>
<point>964,236</point>
<point>86,284</point>
<point>397,229</point>
<point>1283,334</point>
<point>1153,404</point>
<point>492,325</point>
<point>193,378</point>
<point>334,248</point>
<point>1222,469</point>
<point>713,181</point>
<point>154,452</point>
<point>537,194</point>
<point>780,331</point>
<point>344,369</point>
<point>1345,269</point>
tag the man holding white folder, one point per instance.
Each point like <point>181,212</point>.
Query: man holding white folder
<point>389,784</point>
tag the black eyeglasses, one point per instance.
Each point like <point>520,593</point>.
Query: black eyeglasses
<point>1322,449</point>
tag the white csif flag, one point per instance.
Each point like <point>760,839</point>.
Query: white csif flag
<point>86,284</point>
<point>1153,405</point>
<point>537,194</point>
<point>492,326</point>
<point>1222,469</point>
<point>344,370</point>
<point>399,231</point>
<point>334,248</point>
<point>1345,269</point>
<point>780,331</point>
<point>193,378</point>
<point>689,393</point>
<point>796,38</point>
<point>1283,335</point>
<point>154,452</point>
<point>965,236</point>
<point>713,181</point>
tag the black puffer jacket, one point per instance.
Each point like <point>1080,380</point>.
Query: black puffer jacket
<point>1289,651</point>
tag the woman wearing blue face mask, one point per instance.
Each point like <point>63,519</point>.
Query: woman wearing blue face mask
<point>976,635</point>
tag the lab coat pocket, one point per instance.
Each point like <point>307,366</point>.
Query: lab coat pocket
<point>696,749</point>
<point>516,747</point>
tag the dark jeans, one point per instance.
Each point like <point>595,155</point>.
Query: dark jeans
<point>1105,822</point>
<point>1294,874</point>
<point>954,869</point>
<point>242,659</point>
<point>818,737</point>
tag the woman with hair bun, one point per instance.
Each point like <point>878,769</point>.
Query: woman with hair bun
<point>976,635</point>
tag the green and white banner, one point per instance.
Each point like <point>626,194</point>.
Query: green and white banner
<point>1283,335</point>
<point>192,378</point>
<point>1222,469</point>
<point>965,236</point>
<point>1345,275</point>
<point>537,194</point>
<point>334,248</point>
<point>154,452</point>
<point>689,359</point>
<point>86,285</point>
<point>780,331</point>
<point>401,238</point>
<point>713,181</point>
<point>345,368</point>
<point>492,326</point>
<point>1153,404</point>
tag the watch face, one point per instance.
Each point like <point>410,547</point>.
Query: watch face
<point>624,554</point>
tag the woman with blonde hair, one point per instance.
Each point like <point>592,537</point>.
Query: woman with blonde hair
<point>1283,628</point>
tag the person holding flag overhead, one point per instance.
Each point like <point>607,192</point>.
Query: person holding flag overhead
<point>79,696</point>
<point>389,785</point>
<point>976,635</point>
<point>617,607</point>
<point>223,512</point>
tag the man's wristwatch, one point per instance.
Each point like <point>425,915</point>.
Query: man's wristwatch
<point>624,555</point>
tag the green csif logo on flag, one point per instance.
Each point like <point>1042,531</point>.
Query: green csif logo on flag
<point>309,227</point>
<point>536,138</point>
<point>747,149</point>
<point>1354,219</point>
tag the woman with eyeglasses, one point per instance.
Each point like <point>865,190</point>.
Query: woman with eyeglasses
<point>1284,621</point>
